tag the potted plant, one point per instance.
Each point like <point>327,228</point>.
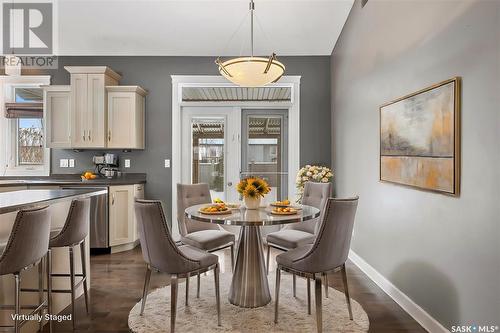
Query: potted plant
<point>253,189</point>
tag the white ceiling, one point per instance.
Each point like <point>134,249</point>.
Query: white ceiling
<point>197,28</point>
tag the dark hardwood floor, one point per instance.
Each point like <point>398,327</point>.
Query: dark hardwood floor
<point>117,280</point>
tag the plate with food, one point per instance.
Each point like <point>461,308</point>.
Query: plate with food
<point>217,209</point>
<point>284,203</point>
<point>284,211</point>
<point>230,205</point>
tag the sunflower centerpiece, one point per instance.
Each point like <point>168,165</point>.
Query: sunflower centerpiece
<point>253,189</point>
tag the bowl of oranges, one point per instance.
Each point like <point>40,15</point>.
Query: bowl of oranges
<point>215,209</point>
<point>87,175</point>
<point>284,211</point>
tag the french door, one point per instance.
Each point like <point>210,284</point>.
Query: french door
<point>221,145</point>
<point>211,149</point>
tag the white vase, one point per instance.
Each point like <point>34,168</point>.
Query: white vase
<point>252,203</point>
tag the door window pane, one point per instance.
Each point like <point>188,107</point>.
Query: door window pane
<point>264,152</point>
<point>208,154</point>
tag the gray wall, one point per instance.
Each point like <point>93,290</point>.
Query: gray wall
<point>153,73</point>
<point>442,251</point>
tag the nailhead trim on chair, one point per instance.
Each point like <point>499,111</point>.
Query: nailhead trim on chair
<point>16,229</point>
<point>323,226</point>
<point>165,229</point>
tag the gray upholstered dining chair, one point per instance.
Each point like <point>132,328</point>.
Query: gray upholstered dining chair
<point>162,255</point>
<point>310,261</point>
<point>295,235</point>
<point>204,236</point>
<point>28,244</point>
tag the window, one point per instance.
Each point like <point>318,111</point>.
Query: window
<point>24,151</point>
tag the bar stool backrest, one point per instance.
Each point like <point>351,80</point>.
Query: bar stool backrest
<point>158,248</point>
<point>28,241</point>
<point>76,227</point>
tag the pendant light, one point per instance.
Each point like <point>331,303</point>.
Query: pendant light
<point>251,71</point>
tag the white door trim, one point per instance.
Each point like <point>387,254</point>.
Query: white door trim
<point>181,81</point>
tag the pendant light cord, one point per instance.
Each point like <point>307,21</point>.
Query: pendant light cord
<point>252,8</point>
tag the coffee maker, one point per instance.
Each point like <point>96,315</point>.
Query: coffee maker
<point>106,165</point>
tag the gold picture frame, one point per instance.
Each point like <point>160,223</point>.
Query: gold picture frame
<point>420,139</point>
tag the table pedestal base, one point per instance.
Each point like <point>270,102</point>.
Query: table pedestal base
<point>249,288</point>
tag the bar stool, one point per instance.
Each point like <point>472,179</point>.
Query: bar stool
<point>74,232</point>
<point>27,245</point>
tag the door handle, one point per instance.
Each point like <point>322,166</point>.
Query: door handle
<point>229,183</point>
<point>89,136</point>
<point>83,135</point>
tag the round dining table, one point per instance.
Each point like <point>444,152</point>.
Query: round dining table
<point>249,286</point>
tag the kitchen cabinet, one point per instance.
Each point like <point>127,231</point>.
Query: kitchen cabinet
<point>56,108</point>
<point>89,104</point>
<point>121,215</point>
<point>126,105</point>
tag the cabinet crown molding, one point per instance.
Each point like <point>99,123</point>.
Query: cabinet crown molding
<point>93,70</point>
<point>135,89</point>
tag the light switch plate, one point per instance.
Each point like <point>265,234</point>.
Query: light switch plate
<point>63,163</point>
<point>167,163</point>
<point>71,162</point>
<point>127,163</point>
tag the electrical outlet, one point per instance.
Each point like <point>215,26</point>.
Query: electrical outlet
<point>63,163</point>
<point>127,163</point>
<point>167,163</point>
<point>71,162</point>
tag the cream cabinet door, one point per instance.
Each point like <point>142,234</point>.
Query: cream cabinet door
<point>121,220</point>
<point>121,120</point>
<point>79,110</point>
<point>57,106</point>
<point>96,116</point>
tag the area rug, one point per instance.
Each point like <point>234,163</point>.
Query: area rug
<point>201,316</point>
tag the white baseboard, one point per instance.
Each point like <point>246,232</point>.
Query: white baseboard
<point>413,309</point>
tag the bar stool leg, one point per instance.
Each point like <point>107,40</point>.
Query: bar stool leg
<point>49,286</point>
<point>17,304</point>
<point>84,271</point>
<point>40,290</point>
<point>72,282</point>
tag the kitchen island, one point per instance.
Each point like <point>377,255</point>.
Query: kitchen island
<point>59,202</point>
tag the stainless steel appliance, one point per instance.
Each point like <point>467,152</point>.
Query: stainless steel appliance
<point>99,219</point>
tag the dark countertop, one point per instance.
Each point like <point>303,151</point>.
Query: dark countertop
<point>25,199</point>
<point>73,179</point>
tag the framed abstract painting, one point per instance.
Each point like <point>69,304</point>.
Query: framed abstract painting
<point>420,139</point>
